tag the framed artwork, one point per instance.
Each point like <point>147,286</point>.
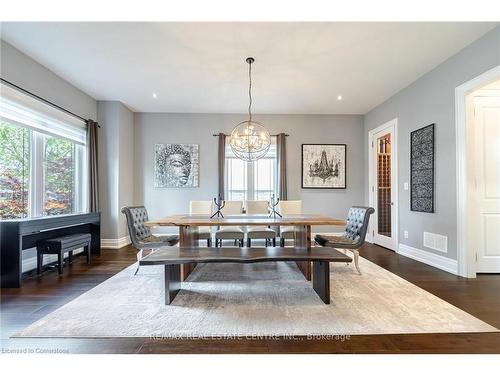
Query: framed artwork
<point>176,165</point>
<point>324,166</point>
<point>422,169</point>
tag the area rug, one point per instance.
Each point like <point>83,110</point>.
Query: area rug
<point>254,299</point>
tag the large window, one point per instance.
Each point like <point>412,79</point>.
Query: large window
<point>251,181</point>
<point>42,159</point>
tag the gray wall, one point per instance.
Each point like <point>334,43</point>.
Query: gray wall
<point>25,72</point>
<point>152,128</point>
<point>116,160</point>
<point>431,99</point>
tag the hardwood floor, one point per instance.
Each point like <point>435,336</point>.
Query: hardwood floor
<point>38,297</point>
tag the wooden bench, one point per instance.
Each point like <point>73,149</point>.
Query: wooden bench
<point>62,245</point>
<point>171,258</point>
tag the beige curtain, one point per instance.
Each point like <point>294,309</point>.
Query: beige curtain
<point>222,163</point>
<point>92,136</point>
<point>281,153</point>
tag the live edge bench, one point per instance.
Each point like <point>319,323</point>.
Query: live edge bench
<point>172,258</point>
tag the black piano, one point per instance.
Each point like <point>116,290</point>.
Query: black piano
<point>17,235</point>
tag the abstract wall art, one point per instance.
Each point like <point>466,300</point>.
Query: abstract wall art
<point>323,166</point>
<point>176,165</point>
<point>422,169</point>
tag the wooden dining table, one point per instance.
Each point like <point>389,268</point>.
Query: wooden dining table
<point>188,230</point>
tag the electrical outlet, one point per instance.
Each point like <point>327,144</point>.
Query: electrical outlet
<point>405,185</point>
<point>405,233</point>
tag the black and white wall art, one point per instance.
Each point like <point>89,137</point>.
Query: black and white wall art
<point>422,169</point>
<point>176,165</point>
<point>323,166</point>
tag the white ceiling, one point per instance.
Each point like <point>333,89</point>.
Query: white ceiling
<point>200,67</point>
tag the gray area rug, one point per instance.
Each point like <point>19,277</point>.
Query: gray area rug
<point>254,299</point>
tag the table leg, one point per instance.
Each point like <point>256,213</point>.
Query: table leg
<point>172,277</point>
<point>303,241</point>
<point>321,280</point>
<point>188,237</point>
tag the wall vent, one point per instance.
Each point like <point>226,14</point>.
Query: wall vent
<point>436,242</point>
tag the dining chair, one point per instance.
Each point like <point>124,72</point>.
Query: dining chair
<point>140,234</point>
<point>230,233</point>
<point>288,208</point>
<point>259,232</point>
<point>202,208</point>
<point>358,218</point>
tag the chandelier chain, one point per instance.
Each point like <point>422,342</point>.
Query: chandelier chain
<point>250,91</point>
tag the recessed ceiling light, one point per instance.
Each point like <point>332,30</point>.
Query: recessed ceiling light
<point>339,97</point>
<point>154,95</point>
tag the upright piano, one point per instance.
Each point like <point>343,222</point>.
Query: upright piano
<point>17,235</point>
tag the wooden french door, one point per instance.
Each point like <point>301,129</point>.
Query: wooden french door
<point>383,189</point>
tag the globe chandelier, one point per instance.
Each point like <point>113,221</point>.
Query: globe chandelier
<point>250,140</point>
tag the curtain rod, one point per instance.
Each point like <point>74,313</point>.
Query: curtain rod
<point>48,102</point>
<point>227,135</point>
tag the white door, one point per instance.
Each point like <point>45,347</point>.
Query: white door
<point>487,182</point>
<point>384,188</point>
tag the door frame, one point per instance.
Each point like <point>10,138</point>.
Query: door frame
<point>391,125</point>
<point>465,212</point>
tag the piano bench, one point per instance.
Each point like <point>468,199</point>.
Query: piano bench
<point>60,246</point>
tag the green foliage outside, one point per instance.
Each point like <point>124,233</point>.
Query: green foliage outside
<point>14,171</point>
<point>58,173</point>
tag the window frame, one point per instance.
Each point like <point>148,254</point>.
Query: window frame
<point>250,193</point>
<point>36,178</point>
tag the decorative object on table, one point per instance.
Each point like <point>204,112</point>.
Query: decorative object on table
<point>250,140</point>
<point>176,165</point>
<point>422,169</point>
<point>273,203</point>
<point>323,166</point>
<point>219,203</point>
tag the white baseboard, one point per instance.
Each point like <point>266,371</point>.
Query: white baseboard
<point>115,243</point>
<point>438,261</point>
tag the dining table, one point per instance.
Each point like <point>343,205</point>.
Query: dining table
<point>188,230</point>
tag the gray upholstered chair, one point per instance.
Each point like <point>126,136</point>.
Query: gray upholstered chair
<point>202,208</point>
<point>140,235</point>
<point>230,233</point>
<point>259,232</point>
<point>288,208</point>
<point>354,235</point>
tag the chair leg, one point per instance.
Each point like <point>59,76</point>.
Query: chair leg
<point>249,242</point>
<point>70,256</point>
<point>241,242</point>
<point>282,242</point>
<point>274,241</point>
<point>209,242</point>
<point>356,260</point>
<point>60,260</point>
<point>139,257</point>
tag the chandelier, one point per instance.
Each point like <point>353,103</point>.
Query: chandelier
<point>250,140</point>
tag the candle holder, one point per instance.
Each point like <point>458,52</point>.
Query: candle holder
<point>219,203</point>
<point>273,203</point>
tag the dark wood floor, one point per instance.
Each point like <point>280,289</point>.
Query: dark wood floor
<point>38,297</point>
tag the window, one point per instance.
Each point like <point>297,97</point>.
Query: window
<point>251,181</point>
<point>42,159</point>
